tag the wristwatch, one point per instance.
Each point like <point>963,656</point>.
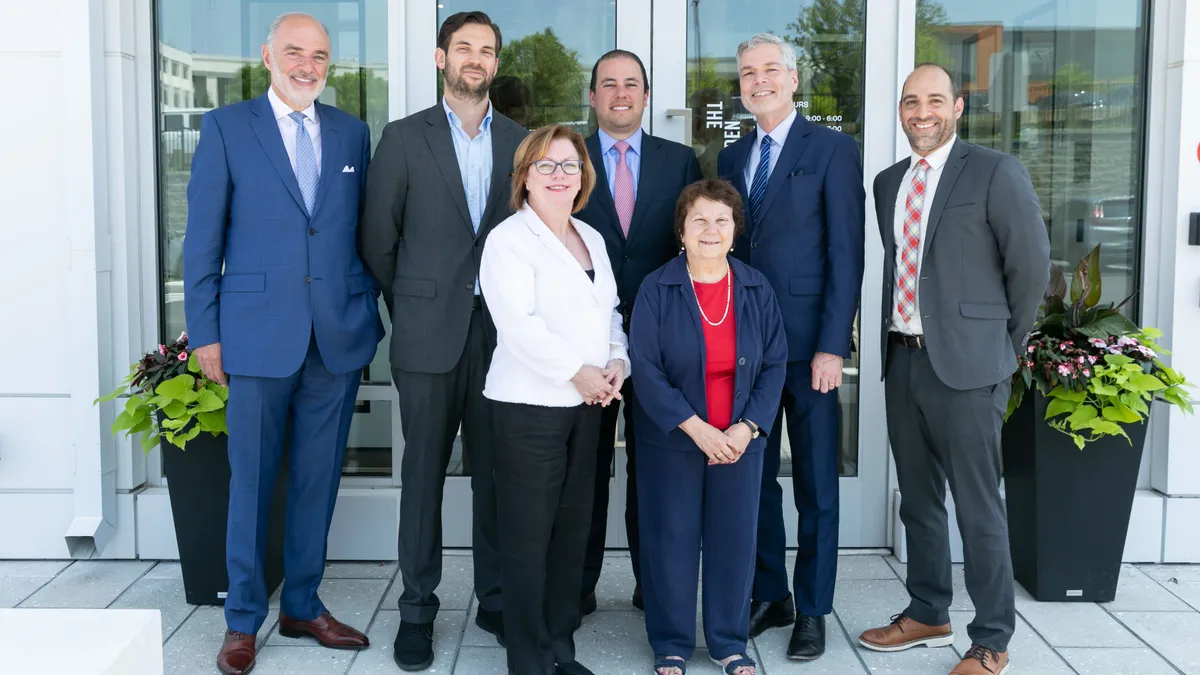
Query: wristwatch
<point>754,430</point>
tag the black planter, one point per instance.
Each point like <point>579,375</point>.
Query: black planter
<point>1068,509</point>
<point>198,484</point>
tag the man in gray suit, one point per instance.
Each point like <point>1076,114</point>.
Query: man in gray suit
<point>439,182</point>
<point>967,260</point>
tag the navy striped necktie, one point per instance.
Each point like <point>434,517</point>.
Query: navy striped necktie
<point>758,189</point>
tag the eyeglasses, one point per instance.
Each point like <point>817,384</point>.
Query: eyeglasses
<point>549,166</point>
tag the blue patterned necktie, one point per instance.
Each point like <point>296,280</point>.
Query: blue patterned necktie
<point>758,189</point>
<point>306,163</point>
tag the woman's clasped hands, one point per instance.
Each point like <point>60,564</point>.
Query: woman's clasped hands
<point>600,386</point>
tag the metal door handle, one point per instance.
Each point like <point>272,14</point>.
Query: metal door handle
<point>686,114</point>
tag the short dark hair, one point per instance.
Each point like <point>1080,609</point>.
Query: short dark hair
<point>955,90</point>
<point>714,190</point>
<point>616,54</point>
<point>456,21</point>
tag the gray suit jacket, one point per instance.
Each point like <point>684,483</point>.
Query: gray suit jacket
<point>417,239</point>
<point>985,267</point>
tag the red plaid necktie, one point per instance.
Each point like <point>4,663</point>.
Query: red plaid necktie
<point>906,300</point>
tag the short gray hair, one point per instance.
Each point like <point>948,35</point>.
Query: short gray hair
<point>785,48</point>
<point>292,15</point>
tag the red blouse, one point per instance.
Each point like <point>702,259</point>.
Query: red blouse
<point>720,344</point>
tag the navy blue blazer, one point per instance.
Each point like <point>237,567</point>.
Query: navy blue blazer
<point>260,276</point>
<point>809,240</point>
<point>667,351</point>
<point>666,168</point>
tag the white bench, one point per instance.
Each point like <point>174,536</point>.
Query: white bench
<point>81,641</point>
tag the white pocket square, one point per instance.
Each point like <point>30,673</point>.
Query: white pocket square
<point>348,169</point>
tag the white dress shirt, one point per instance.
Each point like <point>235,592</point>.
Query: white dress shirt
<point>937,161</point>
<point>287,127</point>
<point>551,319</point>
<point>778,136</point>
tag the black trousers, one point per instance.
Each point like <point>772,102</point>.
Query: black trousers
<point>941,435</point>
<point>604,457</point>
<point>545,472</point>
<point>432,406</point>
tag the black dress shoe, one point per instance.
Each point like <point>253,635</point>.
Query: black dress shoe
<point>764,615</point>
<point>492,622</point>
<point>808,638</point>
<point>413,649</point>
<point>571,668</point>
<point>588,604</point>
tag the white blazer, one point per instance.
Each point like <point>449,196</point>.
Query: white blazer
<point>551,320</point>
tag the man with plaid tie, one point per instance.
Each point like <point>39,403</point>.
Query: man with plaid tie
<point>803,188</point>
<point>967,260</point>
<point>279,305</point>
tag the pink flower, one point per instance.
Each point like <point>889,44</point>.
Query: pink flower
<point>1063,346</point>
<point>1098,343</point>
<point>1087,372</point>
<point>1092,360</point>
<point>1126,342</point>
<point>1030,349</point>
<point>162,349</point>
<point>1064,371</point>
<point>1029,364</point>
<point>1146,351</point>
<point>1114,350</point>
<point>1081,359</point>
<point>183,356</point>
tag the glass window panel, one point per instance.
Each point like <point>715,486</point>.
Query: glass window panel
<point>1060,85</point>
<point>828,36</point>
<point>210,56</point>
<point>546,59</point>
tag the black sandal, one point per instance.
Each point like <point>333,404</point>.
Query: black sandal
<point>732,667</point>
<point>670,663</point>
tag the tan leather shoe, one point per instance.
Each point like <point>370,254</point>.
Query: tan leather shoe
<point>237,653</point>
<point>327,630</point>
<point>904,633</point>
<point>982,661</point>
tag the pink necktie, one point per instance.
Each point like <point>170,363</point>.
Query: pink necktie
<point>623,189</point>
<point>906,302</point>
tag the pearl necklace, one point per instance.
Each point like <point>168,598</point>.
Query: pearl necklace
<point>728,295</point>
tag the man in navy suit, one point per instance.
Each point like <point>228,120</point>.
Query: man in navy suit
<point>277,299</point>
<point>803,187</point>
<point>638,179</point>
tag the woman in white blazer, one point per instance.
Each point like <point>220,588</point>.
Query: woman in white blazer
<point>560,356</point>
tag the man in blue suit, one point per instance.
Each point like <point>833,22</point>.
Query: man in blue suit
<point>805,203</point>
<point>277,299</point>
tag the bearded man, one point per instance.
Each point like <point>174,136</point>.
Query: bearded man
<point>438,185</point>
<point>279,307</point>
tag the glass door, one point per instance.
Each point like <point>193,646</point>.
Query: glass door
<point>696,101</point>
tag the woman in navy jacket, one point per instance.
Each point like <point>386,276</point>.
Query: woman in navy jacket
<point>708,345</point>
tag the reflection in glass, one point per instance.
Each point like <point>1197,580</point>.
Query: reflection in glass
<point>369,446</point>
<point>1060,86</point>
<point>829,40</point>
<point>210,56</point>
<point>547,56</point>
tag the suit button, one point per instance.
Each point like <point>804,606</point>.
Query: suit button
<point>742,361</point>
<point>754,244</point>
<point>470,287</point>
<point>738,395</point>
<point>626,258</point>
<point>307,279</point>
<point>311,231</point>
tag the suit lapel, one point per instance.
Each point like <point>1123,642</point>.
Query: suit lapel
<point>331,143</point>
<point>741,156</point>
<point>649,173</point>
<point>504,146</point>
<point>266,128</point>
<point>793,148</point>
<point>560,251</point>
<point>437,135</point>
<point>888,208</point>
<point>601,193</point>
<point>950,174</point>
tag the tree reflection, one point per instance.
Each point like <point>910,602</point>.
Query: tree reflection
<point>541,82</point>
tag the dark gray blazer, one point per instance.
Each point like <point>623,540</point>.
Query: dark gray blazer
<point>985,267</point>
<point>417,239</point>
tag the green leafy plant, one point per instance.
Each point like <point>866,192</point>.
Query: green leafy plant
<point>1096,367</point>
<point>169,397</point>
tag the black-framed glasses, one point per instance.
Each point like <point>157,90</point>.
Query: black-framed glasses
<point>549,166</point>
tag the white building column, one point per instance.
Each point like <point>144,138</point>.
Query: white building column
<point>1172,268</point>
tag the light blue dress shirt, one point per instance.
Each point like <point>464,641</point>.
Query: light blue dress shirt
<point>633,157</point>
<point>778,136</point>
<point>474,161</point>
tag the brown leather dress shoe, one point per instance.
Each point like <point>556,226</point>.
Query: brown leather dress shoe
<point>904,633</point>
<point>237,653</point>
<point>982,661</point>
<point>327,630</point>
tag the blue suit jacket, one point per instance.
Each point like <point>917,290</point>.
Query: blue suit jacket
<point>809,239</point>
<point>285,275</point>
<point>667,350</point>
